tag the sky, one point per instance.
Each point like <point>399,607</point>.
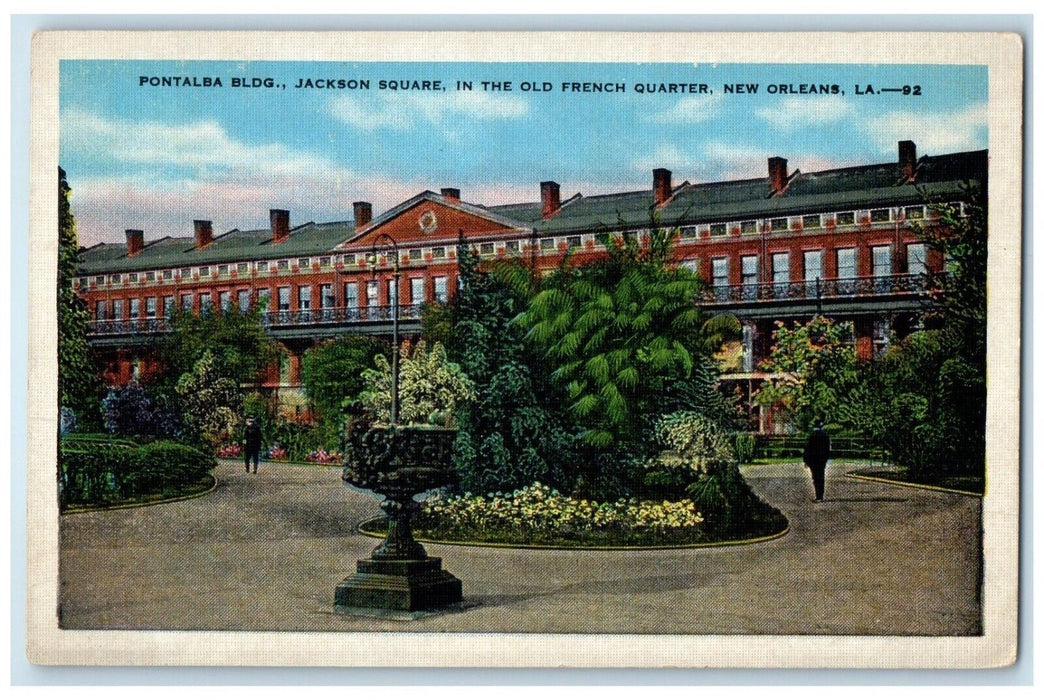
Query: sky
<point>140,155</point>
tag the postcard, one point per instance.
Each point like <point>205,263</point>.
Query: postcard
<point>525,349</point>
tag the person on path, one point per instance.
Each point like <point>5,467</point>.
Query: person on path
<point>817,452</point>
<point>252,443</point>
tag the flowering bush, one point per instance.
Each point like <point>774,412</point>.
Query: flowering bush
<point>539,513</point>
<point>276,452</point>
<point>230,451</point>
<point>321,456</point>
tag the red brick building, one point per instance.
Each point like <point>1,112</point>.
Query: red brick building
<point>840,242</point>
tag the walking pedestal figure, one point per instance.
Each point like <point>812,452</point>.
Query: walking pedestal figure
<point>398,462</point>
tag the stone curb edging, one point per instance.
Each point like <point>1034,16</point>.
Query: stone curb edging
<point>125,506</point>
<point>912,485</point>
<point>606,548</point>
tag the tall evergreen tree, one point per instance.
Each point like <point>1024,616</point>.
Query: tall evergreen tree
<point>78,383</point>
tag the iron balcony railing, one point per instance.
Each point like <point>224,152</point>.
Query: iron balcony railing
<point>854,287</point>
<point>271,319</point>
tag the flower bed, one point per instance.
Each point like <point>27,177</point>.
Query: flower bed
<point>541,515</point>
<point>321,456</point>
<point>230,451</point>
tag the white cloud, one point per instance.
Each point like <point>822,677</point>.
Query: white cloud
<point>666,155</point>
<point>690,110</point>
<point>203,146</point>
<point>400,111</point>
<point>732,161</point>
<point>794,112</point>
<point>934,133</point>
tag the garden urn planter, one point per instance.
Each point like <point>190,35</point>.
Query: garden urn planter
<point>397,463</point>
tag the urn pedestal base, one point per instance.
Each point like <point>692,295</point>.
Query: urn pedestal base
<point>398,584</point>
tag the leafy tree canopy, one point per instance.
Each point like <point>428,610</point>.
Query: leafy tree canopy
<point>332,371</point>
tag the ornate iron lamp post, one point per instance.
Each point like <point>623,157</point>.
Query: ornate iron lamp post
<point>387,243</point>
<point>397,462</point>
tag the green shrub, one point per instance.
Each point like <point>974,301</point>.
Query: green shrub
<point>744,443</point>
<point>99,473</point>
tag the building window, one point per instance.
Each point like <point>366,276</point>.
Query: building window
<point>304,297</point>
<point>99,310</point>
<point>438,253</point>
<point>441,290</point>
<point>882,335</point>
<point>283,300</point>
<point>264,300</point>
<point>135,308</point>
<point>846,263</point>
<point>878,216</point>
<point>349,259</point>
<point>132,277</point>
<point>881,257</point>
<point>204,271</point>
<point>99,280</point>
<point>186,273</point>
<point>547,244</point>
<point>392,289</point>
<point>718,230</point>
<point>371,293</point>
<point>780,270</point>
<point>511,247</point>
<point>914,212</point>
<point>326,296</point>
<point>415,254</point>
<point>351,295</point>
<point>115,279</point>
<point>225,300</point>
<point>748,227</point>
<point>688,232</point>
<point>150,307</point>
<point>303,262</point>
<point>244,300</point>
<point>417,290</point>
<point>168,306</point>
<point>186,303</point>
<point>243,268</point>
<point>283,265</point>
<point>205,303</point>
<point>749,275</point>
<point>720,272</point>
<point>917,258</point>
<point>168,274</point>
<point>692,264</point>
<point>573,242</point>
<point>811,221</point>
<point>845,218</point>
<point>780,224</point>
<point>324,261</point>
<point>813,265</point>
<point>117,309</point>
<point>150,276</point>
<point>223,270</point>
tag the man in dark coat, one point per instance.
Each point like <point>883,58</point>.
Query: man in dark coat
<point>817,452</point>
<point>252,443</point>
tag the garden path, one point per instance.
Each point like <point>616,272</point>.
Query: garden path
<point>265,551</point>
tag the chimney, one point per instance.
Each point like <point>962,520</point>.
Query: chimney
<point>452,194</point>
<point>204,233</point>
<point>908,160</point>
<point>362,213</point>
<point>777,169</point>
<point>661,185</point>
<point>550,198</point>
<point>280,220</point>
<point>135,242</point>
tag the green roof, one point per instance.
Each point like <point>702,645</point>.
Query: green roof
<point>862,187</point>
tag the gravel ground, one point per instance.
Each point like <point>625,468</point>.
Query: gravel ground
<point>265,551</point>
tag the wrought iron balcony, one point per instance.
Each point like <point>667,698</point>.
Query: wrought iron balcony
<point>316,318</point>
<point>816,290</point>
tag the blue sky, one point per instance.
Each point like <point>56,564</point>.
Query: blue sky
<point>156,158</point>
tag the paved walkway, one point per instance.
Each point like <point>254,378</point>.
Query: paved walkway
<point>265,551</point>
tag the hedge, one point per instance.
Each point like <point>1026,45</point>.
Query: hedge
<point>100,473</point>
